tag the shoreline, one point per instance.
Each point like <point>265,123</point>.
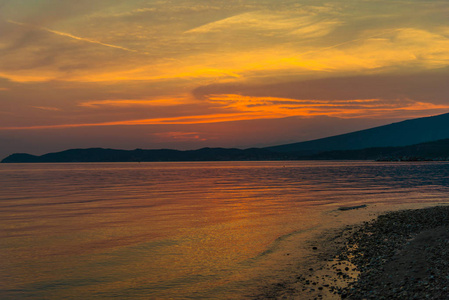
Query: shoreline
<point>401,255</point>
<point>398,255</point>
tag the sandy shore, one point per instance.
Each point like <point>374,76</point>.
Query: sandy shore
<point>399,255</point>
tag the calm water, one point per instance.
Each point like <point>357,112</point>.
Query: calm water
<point>184,230</point>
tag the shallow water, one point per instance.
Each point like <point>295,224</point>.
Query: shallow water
<point>185,230</point>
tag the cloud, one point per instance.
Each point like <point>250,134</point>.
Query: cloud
<point>41,54</point>
<point>379,51</point>
<point>269,23</point>
<point>44,12</point>
<point>179,136</point>
<point>286,107</point>
<point>427,86</point>
<point>87,40</point>
<point>174,101</point>
<point>163,8</point>
<point>239,108</point>
<point>192,119</point>
<point>137,61</point>
<point>234,45</point>
<point>47,108</point>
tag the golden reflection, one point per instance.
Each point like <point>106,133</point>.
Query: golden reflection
<point>143,231</point>
<point>90,247</point>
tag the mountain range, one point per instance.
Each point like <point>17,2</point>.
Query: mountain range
<point>403,133</point>
<point>416,139</point>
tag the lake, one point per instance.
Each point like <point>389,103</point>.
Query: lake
<point>197,230</point>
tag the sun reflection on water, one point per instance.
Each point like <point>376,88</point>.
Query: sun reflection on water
<point>178,230</point>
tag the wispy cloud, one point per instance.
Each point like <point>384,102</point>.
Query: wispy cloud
<point>179,136</point>
<point>287,107</point>
<point>116,63</point>
<point>193,119</point>
<point>302,26</point>
<point>49,108</point>
<point>136,103</point>
<point>239,108</point>
<point>60,33</point>
<point>26,76</point>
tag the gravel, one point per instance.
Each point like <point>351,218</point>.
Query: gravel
<point>400,255</point>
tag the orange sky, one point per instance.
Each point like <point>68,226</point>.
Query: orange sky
<point>188,74</point>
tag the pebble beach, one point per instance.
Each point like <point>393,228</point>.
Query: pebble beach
<point>398,255</point>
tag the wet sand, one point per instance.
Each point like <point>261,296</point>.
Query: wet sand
<point>399,255</point>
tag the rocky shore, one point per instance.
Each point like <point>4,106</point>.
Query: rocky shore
<point>399,255</point>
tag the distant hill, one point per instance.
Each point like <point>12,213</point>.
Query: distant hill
<point>428,136</point>
<point>403,133</point>
<point>139,155</point>
<point>436,151</point>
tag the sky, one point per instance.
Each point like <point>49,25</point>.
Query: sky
<point>187,74</point>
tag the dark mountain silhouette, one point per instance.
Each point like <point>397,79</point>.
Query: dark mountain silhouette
<point>436,150</point>
<point>385,142</point>
<point>403,133</point>
<point>139,155</point>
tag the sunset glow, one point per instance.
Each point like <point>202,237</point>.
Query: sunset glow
<point>164,65</point>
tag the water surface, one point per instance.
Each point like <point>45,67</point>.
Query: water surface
<point>184,230</point>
